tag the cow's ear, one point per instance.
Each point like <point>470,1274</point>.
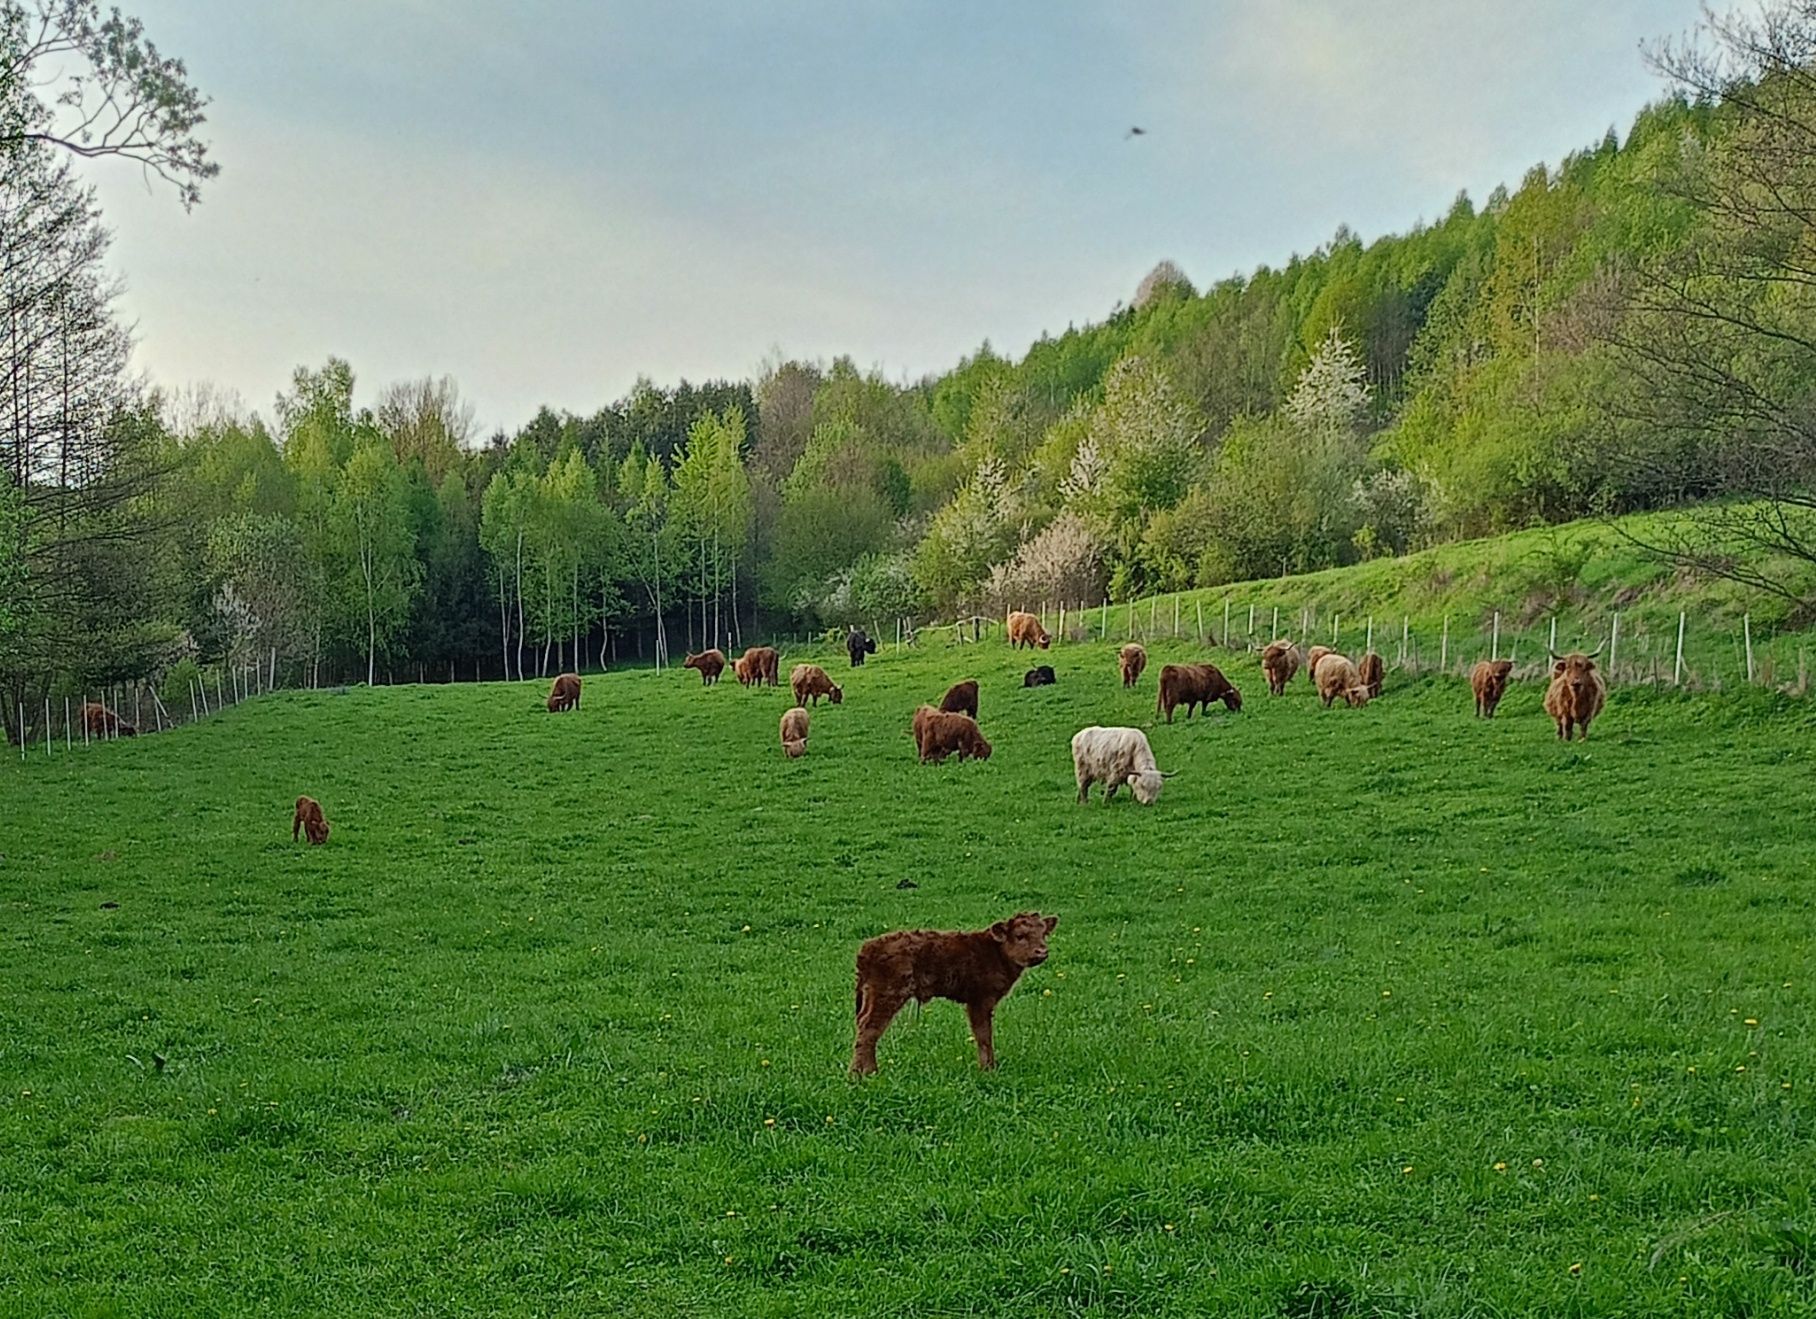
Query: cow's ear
<point>1051,922</point>
<point>1000,931</point>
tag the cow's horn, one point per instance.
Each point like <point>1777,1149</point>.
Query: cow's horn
<point>1168,773</point>
<point>1596,651</point>
<point>1554,655</point>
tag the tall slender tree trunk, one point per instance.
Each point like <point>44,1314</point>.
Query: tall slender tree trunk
<point>520,605</point>
<point>504,623</point>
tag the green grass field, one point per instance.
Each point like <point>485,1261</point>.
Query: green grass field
<point>1378,1012</point>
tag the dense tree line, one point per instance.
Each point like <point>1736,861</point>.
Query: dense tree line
<point>1629,329</point>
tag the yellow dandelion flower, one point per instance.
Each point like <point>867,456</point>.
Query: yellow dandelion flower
<point>1593,1198</point>
<point>1046,993</point>
<point>769,1122</point>
<point>1576,1269</point>
<point>1169,1227</point>
<point>1387,993</point>
<point>1500,1167</point>
<point>1752,1021</point>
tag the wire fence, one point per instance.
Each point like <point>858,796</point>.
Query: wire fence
<point>1632,647</point>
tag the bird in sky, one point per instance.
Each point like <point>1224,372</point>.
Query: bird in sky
<point>1136,131</point>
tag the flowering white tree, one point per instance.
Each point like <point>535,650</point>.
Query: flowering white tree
<point>1332,392</point>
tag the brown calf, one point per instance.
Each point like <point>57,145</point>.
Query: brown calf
<point>809,682</point>
<point>940,733</point>
<point>565,694</point>
<point>976,968</point>
<point>102,722</point>
<point>1488,679</point>
<point>1025,630</point>
<point>758,666</point>
<point>1279,662</point>
<point>1131,660</point>
<point>1194,686</point>
<point>794,733</point>
<point>1312,657</point>
<point>961,698</point>
<point>309,820</point>
<point>1372,671</point>
<point>710,663</point>
<point>1577,693</point>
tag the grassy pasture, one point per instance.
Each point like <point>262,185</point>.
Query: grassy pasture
<point>1379,1012</point>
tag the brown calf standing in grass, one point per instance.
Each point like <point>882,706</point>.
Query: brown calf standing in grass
<point>1488,679</point>
<point>1372,671</point>
<point>1194,686</point>
<point>939,733</point>
<point>1131,660</point>
<point>1280,661</point>
<point>809,682</point>
<point>759,666</point>
<point>710,663</point>
<point>961,698</point>
<point>1312,657</point>
<point>1576,694</point>
<point>565,694</point>
<point>102,722</point>
<point>1025,630</point>
<point>976,968</point>
<point>309,820</point>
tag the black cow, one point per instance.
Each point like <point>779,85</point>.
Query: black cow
<point>857,645</point>
<point>1040,677</point>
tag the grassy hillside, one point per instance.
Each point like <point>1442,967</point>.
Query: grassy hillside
<point>1581,575</point>
<point>1375,1012</point>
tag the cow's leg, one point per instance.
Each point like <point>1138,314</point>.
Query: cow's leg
<point>1109,788</point>
<point>1084,789</point>
<point>981,1031</point>
<point>878,1010</point>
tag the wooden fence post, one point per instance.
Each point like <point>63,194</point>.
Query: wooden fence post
<point>1614,641</point>
<point>1746,628</point>
<point>1369,644</point>
<point>1494,646</point>
<point>1226,620</point>
<point>1552,647</point>
<point>1198,606</point>
<point>1444,648</point>
<point>1677,672</point>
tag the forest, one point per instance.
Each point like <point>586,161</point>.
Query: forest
<point>1628,328</point>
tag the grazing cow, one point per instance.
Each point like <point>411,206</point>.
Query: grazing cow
<point>961,698</point>
<point>794,733</point>
<point>1577,692</point>
<point>1113,757</point>
<point>565,694</point>
<point>1132,659</point>
<point>809,682</point>
<point>1312,657</point>
<point>858,643</point>
<point>1039,677</point>
<point>1280,661</point>
<point>102,722</point>
<point>1025,630</point>
<point>309,820</point>
<point>1194,686</point>
<point>758,666</point>
<point>975,968</point>
<point>1336,676</point>
<point>940,733</point>
<point>710,663</point>
<point>1488,679</point>
<point>1372,670</point>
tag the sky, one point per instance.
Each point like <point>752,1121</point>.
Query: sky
<point>547,200</point>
